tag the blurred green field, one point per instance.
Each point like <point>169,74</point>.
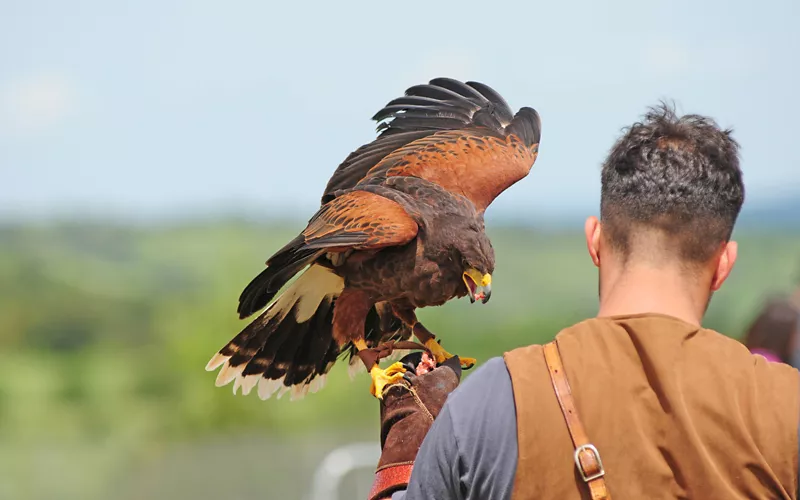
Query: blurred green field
<point>105,331</point>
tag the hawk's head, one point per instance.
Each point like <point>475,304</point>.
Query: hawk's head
<point>477,265</point>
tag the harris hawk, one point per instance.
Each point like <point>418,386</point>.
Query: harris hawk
<point>400,227</point>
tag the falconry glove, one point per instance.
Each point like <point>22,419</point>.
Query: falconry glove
<point>408,409</point>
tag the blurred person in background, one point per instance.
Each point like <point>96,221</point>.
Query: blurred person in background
<point>674,409</point>
<point>774,332</point>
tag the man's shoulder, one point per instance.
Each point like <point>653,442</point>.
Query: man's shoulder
<point>728,350</point>
<point>488,376</point>
<point>484,391</point>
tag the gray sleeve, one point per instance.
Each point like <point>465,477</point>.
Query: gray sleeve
<point>437,468</point>
<point>470,452</point>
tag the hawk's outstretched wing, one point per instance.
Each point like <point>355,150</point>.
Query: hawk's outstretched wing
<point>462,136</point>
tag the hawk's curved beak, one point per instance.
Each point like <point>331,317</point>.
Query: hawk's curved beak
<point>474,281</point>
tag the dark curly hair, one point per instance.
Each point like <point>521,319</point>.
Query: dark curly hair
<point>677,175</point>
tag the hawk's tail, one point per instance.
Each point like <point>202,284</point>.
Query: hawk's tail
<point>290,346</point>
<point>281,267</point>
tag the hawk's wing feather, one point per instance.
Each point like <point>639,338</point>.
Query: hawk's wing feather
<point>501,107</point>
<point>527,126</point>
<point>358,163</point>
<point>468,90</point>
<point>419,110</point>
<point>410,121</point>
<point>360,220</point>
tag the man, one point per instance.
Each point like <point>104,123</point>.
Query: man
<point>673,410</point>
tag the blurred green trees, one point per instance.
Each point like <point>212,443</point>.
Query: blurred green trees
<point>105,331</point>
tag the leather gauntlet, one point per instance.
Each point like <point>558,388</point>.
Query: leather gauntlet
<point>407,411</point>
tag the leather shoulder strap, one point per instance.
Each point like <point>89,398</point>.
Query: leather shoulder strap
<point>587,458</point>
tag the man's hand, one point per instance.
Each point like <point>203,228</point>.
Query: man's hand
<point>408,409</point>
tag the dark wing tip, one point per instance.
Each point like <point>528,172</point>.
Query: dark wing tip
<point>501,107</point>
<point>460,88</point>
<point>444,104</point>
<point>527,125</point>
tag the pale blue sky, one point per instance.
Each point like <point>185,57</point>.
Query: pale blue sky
<point>164,108</point>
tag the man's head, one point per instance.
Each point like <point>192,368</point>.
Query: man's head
<point>671,192</point>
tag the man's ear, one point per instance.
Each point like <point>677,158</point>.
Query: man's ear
<point>724,265</point>
<point>592,229</point>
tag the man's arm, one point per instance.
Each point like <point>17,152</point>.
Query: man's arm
<point>470,451</point>
<point>437,468</point>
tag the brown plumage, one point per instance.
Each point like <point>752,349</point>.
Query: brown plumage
<point>400,227</point>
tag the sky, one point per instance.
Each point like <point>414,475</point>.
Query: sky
<point>160,109</point>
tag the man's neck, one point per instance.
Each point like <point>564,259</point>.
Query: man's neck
<point>648,290</point>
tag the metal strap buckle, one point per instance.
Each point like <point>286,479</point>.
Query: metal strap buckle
<point>589,447</point>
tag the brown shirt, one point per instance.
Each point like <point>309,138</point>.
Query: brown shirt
<point>676,411</point>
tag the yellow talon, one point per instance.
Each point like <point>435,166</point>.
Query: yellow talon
<point>382,378</point>
<point>441,355</point>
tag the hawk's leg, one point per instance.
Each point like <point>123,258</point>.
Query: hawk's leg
<point>349,317</point>
<point>409,317</point>
<point>380,377</point>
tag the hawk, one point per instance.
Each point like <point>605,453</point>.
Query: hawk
<point>401,226</point>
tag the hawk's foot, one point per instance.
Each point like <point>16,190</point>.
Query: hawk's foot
<point>441,355</point>
<point>382,378</point>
